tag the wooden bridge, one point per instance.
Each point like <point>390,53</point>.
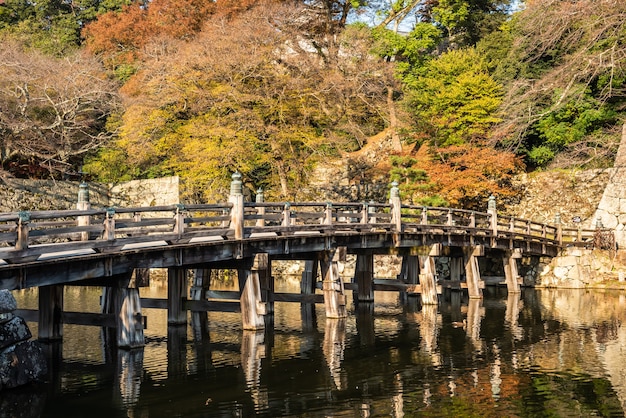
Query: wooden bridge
<point>111,247</point>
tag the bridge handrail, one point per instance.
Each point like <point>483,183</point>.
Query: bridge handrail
<point>101,228</point>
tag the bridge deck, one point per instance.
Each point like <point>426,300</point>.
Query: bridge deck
<point>47,247</point>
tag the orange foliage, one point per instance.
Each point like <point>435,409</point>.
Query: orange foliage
<point>466,175</point>
<point>119,37</point>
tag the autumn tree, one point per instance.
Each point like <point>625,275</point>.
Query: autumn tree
<point>250,93</point>
<point>52,26</point>
<point>52,111</point>
<point>457,175</point>
<point>565,78</point>
<point>118,37</point>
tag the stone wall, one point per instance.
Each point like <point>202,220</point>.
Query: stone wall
<point>153,192</point>
<point>580,268</point>
<point>611,211</point>
<point>31,195</point>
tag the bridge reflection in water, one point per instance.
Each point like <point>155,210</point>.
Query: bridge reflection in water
<point>544,352</point>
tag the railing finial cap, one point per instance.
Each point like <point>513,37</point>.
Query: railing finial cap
<point>236,185</point>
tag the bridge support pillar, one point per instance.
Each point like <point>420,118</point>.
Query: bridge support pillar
<point>410,269</point>
<point>200,286</point>
<point>307,287</point>
<point>123,301</point>
<point>364,277</point>
<point>332,286</point>
<point>511,273</point>
<point>252,307</point>
<point>456,267</point>
<point>427,275</point>
<point>472,273</point>
<point>266,282</point>
<point>129,318</point>
<point>50,312</point>
<point>176,295</point>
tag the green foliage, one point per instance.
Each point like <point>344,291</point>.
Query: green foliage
<point>110,165</point>
<point>411,50</point>
<point>52,26</point>
<point>540,155</point>
<point>466,22</point>
<point>570,124</point>
<point>454,100</point>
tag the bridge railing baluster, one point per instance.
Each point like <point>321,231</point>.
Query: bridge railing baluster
<point>22,230</point>
<point>179,223</point>
<point>365,213</point>
<point>286,221</point>
<point>109,225</point>
<point>328,218</point>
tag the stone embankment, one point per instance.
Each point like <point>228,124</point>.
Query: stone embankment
<point>21,361</point>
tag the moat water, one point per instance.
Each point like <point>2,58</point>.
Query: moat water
<point>541,353</point>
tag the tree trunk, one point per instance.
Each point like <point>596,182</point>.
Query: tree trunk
<point>393,122</point>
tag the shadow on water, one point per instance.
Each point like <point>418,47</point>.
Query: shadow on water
<point>538,353</point>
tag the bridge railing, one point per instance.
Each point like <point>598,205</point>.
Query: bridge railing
<point>26,235</point>
<point>448,218</point>
<point>578,236</point>
<point>288,217</point>
<point>525,229</point>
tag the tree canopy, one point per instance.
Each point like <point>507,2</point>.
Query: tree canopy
<point>468,92</point>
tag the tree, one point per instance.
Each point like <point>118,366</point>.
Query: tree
<point>119,37</point>
<point>566,72</point>
<point>250,94</point>
<point>453,98</point>
<point>52,111</point>
<point>52,26</point>
<point>458,175</point>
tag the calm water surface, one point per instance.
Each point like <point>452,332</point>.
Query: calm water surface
<point>541,353</point>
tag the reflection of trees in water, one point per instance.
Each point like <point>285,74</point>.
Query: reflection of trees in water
<point>530,354</point>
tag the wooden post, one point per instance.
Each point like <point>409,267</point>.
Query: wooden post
<point>179,220</point>
<point>364,277</point>
<point>200,286</point>
<point>266,282</point>
<point>328,214</point>
<point>286,214</point>
<point>307,287</point>
<point>409,270</point>
<point>236,212</point>
<point>365,213</point>
<point>472,272</point>
<point>129,318</point>
<point>109,225</point>
<point>260,210</point>
<point>427,277</point>
<point>22,230</point>
<point>510,270</point>
<point>50,313</point>
<point>176,295</point>
<point>396,206</point>
<point>252,306</point>
<point>332,286</point>
<point>456,266</point>
<point>559,228</point>
<point>83,204</point>
<point>491,210</point>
